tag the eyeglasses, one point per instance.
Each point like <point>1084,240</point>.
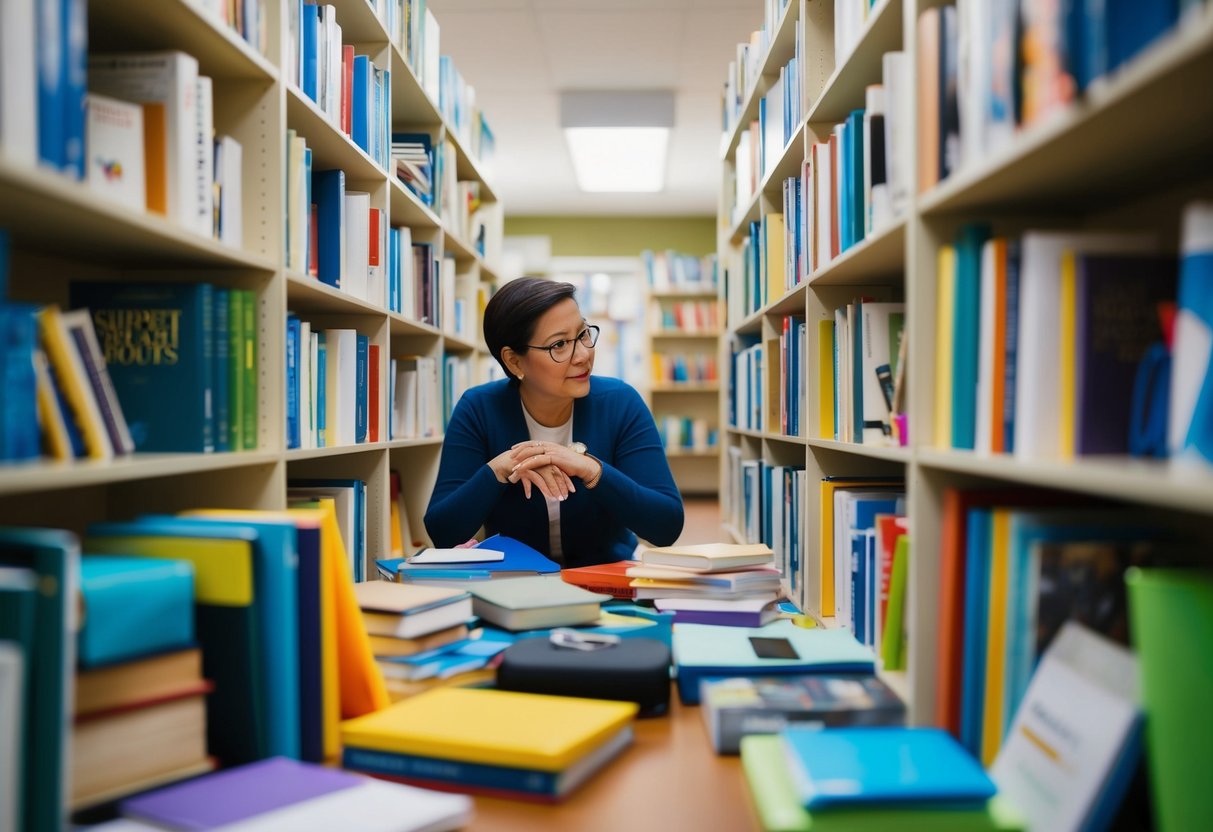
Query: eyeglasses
<point>562,350</point>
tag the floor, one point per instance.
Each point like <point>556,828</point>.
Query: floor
<point>702,521</point>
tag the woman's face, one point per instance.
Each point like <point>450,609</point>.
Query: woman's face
<point>543,376</point>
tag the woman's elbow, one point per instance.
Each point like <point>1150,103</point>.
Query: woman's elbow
<point>669,526</point>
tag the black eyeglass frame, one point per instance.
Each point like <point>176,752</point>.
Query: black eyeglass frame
<point>591,328</point>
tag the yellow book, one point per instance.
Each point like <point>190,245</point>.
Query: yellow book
<point>1066,337</point>
<point>494,727</point>
<point>945,300</point>
<point>50,415</point>
<point>825,379</point>
<point>223,568</point>
<point>825,539</point>
<point>996,635</point>
<point>773,258</point>
<point>73,381</point>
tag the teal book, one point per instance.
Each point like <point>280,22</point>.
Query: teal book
<point>133,607</point>
<point>159,346</point>
<point>966,334</point>
<point>275,575</point>
<point>778,808</point>
<point>872,765</point>
<point>54,558</point>
<point>227,611</point>
<point>703,650</point>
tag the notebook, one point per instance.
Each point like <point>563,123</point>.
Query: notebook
<point>536,601</point>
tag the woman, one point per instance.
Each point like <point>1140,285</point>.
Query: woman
<point>565,462</point>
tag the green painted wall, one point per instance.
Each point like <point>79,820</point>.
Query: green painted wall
<point>618,236</point>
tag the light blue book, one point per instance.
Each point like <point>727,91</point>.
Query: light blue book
<point>133,607</point>
<point>854,767</point>
<point>702,650</point>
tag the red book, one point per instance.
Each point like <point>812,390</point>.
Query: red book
<point>607,578</point>
<point>313,242</point>
<point>347,89</point>
<point>372,384</point>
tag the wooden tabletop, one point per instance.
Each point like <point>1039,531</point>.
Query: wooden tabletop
<point>669,780</point>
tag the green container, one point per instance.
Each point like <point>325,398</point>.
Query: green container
<point>1171,620</point>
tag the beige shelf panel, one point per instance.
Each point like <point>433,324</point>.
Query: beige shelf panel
<point>407,208</point>
<point>879,258</point>
<point>892,454</point>
<point>1149,125</point>
<point>678,335</point>
<point>1162,483</point>
<point>330,147</point>
<point>752,212</point>
<point>21,478</point>
<point>684,294</point>
<point>678,453</point>
<point>38,208</point>
<point>174,24</point>
<point>781,50</point>
<point>412,109</point>
<point>686,387</point>
<point>418,442</point>
<point>307,294</point>
<point>753,434</point>
<point>844,90</point>
<point>454,343</point>
<point>358,22</point>
<point>400,326</point>
<point>455,244</point>
<point>300,454</point>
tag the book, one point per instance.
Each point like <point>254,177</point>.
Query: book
<point>493,727</point>
<point>1191,401</point>
<point>530,602</point>
<point>113,134</point>
<point>469,555</point>
<point>53,556</point>
<point>70,378</point>
<point>387,645</point>
<point>739,612</point>
<point>133,607</point>
<point>152,677</point>
<point>408,611</point>
<point>860,766</point>
<point>19,428</point>
<point>607,578</point>
<point>159,346</point>
<point>709,557</point>
<point>1076,738</point>
<point>779,810</point>
<point>704,650</point>
<point>12,735</point>
<point>736,707</point>
<point>520,559</point>
<point>490,780</point>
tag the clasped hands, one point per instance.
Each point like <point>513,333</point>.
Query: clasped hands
<point>546,466</point>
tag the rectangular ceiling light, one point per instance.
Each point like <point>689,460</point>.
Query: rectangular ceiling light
<point>618,140</point>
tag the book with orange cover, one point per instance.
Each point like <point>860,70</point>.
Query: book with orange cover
<point>607,578</point>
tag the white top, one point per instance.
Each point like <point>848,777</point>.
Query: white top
<point>559,435</point>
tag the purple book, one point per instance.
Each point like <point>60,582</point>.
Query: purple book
<point>725,618</point>
<point>1117,302</point>
<point>237,794</point>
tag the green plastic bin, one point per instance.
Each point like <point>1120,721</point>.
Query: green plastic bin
<point>1171,622</point>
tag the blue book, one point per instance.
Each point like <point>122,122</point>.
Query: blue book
<point>19,436</point>
<point>973,666</point>
<point>275,569</point>
<point>1191,415</point>
<point>310,23</point>
<point>328,192</point>
<point>360,124</point>
<point>519,557</point>
<point>350,496</point>
<point>293,334</point>
<point>52,87</point>
<point>1133,25</point>
<point>134,607</point>
<point>851,767</point>
<point>1011,362</point>
<point>360,388</point>
<point>74,81</point>
<point>223,370</point>
<point>966,335</point>
<point>853,180</point>
<point>311,679</point>
<point>159,345</point>
<point>321,388</point>
<point>53,556</point>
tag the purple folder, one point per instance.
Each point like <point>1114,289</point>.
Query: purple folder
<point>236,794</point>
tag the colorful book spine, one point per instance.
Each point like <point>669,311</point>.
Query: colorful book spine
<point>134,607</point>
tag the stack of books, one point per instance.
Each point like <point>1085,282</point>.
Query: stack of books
<point>871,778</point>
<point>405,619</point>
<point>711,583</point>
<point>516,745</point>
<point>495,557</point>
<point>140,708</point>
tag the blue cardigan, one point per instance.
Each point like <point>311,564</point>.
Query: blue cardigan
<point>635,495</point>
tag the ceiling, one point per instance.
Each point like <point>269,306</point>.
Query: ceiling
<point>519,55</point>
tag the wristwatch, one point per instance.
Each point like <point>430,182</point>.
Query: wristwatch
<point>579,448</point>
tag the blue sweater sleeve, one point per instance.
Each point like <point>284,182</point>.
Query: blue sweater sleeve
<point>638,491</point>
<point>466,490</point>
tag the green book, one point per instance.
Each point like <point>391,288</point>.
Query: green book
<point>54,557</point>
<point>235,379</point>
<point>891,656</point>
<point>248,355</point>
<point>764,762</point>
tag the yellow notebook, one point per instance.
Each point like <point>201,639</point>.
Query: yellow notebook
<point>495,727</point>
<point>223,569</point>
<point>996,635</point>
<point>945,300</point>
<point>1066,376</point>
<point>825,379</point>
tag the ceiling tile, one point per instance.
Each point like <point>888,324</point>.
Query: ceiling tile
<point>709,42</point>
<point>495,49</point>
<point>604,50</point>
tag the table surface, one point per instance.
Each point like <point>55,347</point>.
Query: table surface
<point>669,779</point>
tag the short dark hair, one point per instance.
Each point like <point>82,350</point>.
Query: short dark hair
<point>513,311</point>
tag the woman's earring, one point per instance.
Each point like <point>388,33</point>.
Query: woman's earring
<point>521,376</point>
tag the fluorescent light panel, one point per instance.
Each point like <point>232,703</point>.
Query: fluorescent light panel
<point>618,138</point>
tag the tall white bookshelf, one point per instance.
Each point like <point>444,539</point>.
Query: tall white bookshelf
<point>61,232</point>
<point>1126,155</point>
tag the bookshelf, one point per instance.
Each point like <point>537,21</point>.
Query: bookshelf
<point>683,323</point>
<point>1125,155</point>
<point>61,231</point>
